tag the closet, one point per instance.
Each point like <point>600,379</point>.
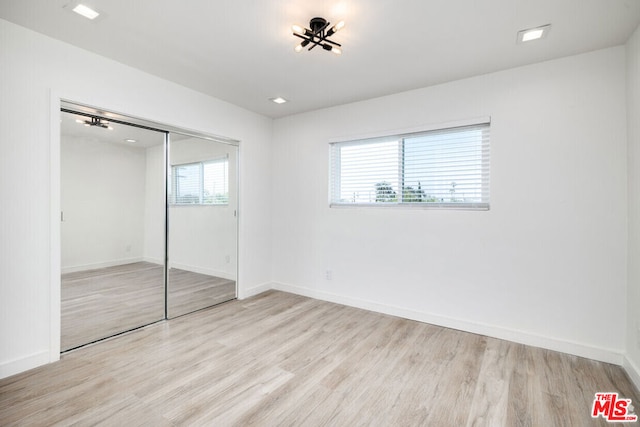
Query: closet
<point>148,223</point>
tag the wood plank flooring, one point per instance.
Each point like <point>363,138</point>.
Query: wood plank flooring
<point>99,303</point>
<point>284,360</point>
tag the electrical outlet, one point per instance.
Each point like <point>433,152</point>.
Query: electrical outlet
<point>328,275</point>
<point>128,248</point>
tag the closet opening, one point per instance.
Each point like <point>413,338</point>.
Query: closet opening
<point>148,223</point>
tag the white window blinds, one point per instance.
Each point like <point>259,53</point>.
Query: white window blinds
<point>186,180</point>
<point>215,182</point>
<point>439,168</point>
<point>202,183</point>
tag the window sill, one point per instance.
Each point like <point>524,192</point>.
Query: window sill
<point>424,206</point>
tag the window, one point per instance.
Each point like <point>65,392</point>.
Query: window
<point>441,168</point>
<point>201,183</point>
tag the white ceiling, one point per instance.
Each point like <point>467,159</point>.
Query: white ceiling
<point>241,51</point>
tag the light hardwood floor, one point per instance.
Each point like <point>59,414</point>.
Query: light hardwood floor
<point>284,360</point>
<point>102,302</point>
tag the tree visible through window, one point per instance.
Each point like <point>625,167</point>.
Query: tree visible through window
<point>441,168</point>
<point>202,183</point>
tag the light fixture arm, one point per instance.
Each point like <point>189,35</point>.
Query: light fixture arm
<point>317,42</point>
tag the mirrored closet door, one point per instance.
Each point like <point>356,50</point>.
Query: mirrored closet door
<point>202,217</point>
<point>112,228</point>
<point>148,223</point>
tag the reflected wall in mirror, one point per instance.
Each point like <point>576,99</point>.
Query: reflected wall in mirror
<point>202,242</point>
<point>112,229</point>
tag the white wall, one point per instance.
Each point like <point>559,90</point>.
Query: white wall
<point>36,69</point>
<point>545,266</point>
<point>103,200</point>
<point>632,362</point>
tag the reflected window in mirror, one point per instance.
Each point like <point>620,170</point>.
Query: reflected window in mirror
<point>200,183</point>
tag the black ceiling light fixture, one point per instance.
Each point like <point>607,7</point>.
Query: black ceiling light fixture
<point>96,121</point>
<point>318,35</point>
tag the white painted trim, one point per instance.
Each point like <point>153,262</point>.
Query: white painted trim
<point>202,270</point>
<point>522,337</point>
<point>17,366</point>
<point>55,248</point>
<point>105,264</point>
<point>633,371</point>
<point>250,292</point>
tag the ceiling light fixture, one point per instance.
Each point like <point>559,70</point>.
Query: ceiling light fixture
<point>96,121</point>
<point>533,33</point>
<point>130,140</point>
<point>278,100</point>
<point>318,35</point>
<point>85,11</point>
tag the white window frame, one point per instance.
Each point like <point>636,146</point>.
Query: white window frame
<point>481,191</point>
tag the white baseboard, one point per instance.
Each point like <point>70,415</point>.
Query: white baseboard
<point>158,261</point>
<point>203,270</point>
<point>247,293</point>
<point>24,364</point>
<point>574,348</point>
<point>112,263</point>
<point>633,371</point>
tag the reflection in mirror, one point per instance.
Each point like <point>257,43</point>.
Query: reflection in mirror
<point>202,197</point>
<point>112,229</point>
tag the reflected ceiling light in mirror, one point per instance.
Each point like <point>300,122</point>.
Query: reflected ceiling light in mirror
<point>97,122</point>
<point>318,35</point>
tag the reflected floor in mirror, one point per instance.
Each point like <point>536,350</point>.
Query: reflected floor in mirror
<point>188,291</point>
<point>103,302</point>
<point>106,301</point>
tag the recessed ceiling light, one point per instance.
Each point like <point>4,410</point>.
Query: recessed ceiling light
<point>278,100</point>
<point>85,11</point>
<point>533,33</point>
<point>130,140</point>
